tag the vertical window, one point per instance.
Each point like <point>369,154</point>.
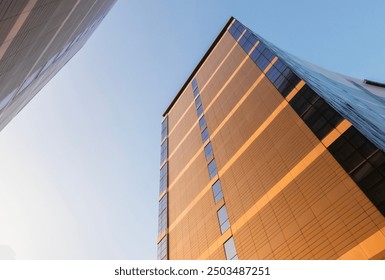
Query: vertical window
<point>163,151</point>
<point>163,178</point>
<point>208,151</point>
<point>164,129</point>
<point>194,84</point>
<point>196,92</point>
<point>162,216</point>
<point>198,102</point>
<point>199,111</point>
<point>162,249</point>
<point>212,169</point>
<point>205,135</point>
<point>217,191</point>
<point>223,219</point>
<point>202,123</point>
<point>230,251</point>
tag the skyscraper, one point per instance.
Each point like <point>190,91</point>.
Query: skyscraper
<point>37,38</point>
<point>266,156</point>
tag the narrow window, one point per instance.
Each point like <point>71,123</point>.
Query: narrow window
<point>200,111</point>
<point>231,252</point>
<point>208,152</point>
<point>202,123</point>
<point>205,135</point>
<point>163,151</point>
<point>212,169</point>
<point>164,129</point>
<point>198,102</point>
<point>163,178</point>
<point>223,218</point>
<point>162,216</point>
<point>162,249</point>
<point>217,191</point>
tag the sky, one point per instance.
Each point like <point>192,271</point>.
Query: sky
<point>80,163</point>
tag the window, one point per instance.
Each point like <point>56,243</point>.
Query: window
<point>196,92</point>
<point>205,135</point>
<point>212,169</point>
<point>202,123</point>
<point>162,216</point>
<point>164,129</point>
<point>217,191</point>
<point>163,151</point>
<point>230,251</point>
<point>262,62</point>
<point>200,111</point>
<point>194,84</point>
<point>223,219</point>
<point>198,102</point>
<point>208,151</point>
<point>364,162</point>
<point>163,178</point>
<point>268,54</point>
<point>162,249</point>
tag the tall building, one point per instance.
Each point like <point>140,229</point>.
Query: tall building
<point>265,156</point>
<point>37,38</point>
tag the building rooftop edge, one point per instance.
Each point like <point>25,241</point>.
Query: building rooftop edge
<point>224,29</point>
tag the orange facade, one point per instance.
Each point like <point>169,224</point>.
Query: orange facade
<point>286,195</point>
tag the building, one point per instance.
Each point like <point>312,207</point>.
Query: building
<point>37,38</point>
<point>265,156</point>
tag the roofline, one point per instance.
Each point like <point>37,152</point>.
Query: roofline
<point>208,52</point>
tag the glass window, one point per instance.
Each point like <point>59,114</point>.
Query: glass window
<point>230,251</point>
<point>163,151</point>
<point>253,39</point>
<point>217,191</point>
<point>205,135</point>
<point>212,169</point>
<point>198,102</point>
<point>194,84</point>
<point>163,178</point>
<point>196,92</point>
<point>208,151</point>
<point>268,54</point>
<point>236,24</point>
<point>262,62</point>
<point>255,54</point>
<point>272,74</point>
<point>261,47</point>
<point>202,122</point>
<point>364,162</point>
<point>164,128</point>
<point>162,249</point>
<point>162,216</point>
<point>200,111</point>
<point>223,218</point>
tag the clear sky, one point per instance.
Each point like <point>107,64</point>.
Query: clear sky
<point>80,163</point>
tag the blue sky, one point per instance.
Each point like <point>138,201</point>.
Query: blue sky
<point>80,163</point>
